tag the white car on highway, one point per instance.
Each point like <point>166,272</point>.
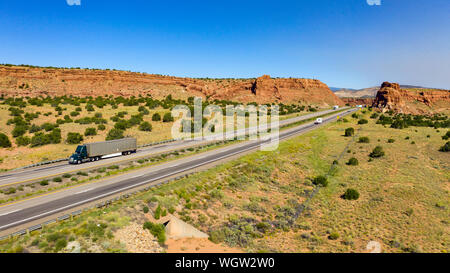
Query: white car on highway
<point>318,121</point>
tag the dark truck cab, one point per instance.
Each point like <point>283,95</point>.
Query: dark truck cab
<point>95,151</point>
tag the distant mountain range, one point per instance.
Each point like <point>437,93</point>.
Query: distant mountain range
<point>369,92</point>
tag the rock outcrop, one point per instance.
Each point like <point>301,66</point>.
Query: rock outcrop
<point>414,101</point>
<point>358,101</point>
<point>33,81</point>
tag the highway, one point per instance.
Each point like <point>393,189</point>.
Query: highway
<point>24,176</point>
<point>26,211</point>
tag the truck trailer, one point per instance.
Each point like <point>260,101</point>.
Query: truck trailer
<point>95,151</point>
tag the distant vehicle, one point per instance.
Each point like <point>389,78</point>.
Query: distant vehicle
<point>95,151</point>
<point>335,107</point>
<point>359,106</point>
<point>318,121</point>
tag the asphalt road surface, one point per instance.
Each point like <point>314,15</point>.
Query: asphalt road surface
<point>28,210</point>
<point>14,178</point>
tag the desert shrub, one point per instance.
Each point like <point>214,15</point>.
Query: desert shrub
<point>74,113</point>
<point>445,148</point>
<point>351,194</point>
<point>121,124</point>
<point>355,115</point>
<point>19,130</point>
<point>333,236</point>
<point>67,175</point>
<point>23,141</point>
<point>349,132</point>
<point>44,183</point>
<point>143,110</point>
<point>145,126</point>
<point>115,134</point>
<point>146,209</point>
<point>158,212</point>
<point>399,124</point>
<point>57,179</point>
<point>391,140</point>
<point>156,117</point>
<point>60,244</point>
<point>48,126</point>
<point>90,132</point>
<point>363,121</point>
<point>74,138</point>
<point>101,127</point>
<point>167,117</point>
<point>90,108</point>
<point>377,152</point>
<point>320,180</point>
<point>352,162</point>
<point>157,230</point>
<point>4,141</point>
<point>10,190</point>
<point>34,128</point>
<point>446,136</point>
<point>374,116</point>
<point>363,140</point>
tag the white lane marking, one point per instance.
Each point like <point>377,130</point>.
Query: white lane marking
<point>128,187</point>
<point>84,191</point>
<point>9,212</point>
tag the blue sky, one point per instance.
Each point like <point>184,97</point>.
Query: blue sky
<point>344,43</point>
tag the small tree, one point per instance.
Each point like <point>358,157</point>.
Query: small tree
<point>115,134</point>
<point>156,117</point>
<point>167,117</point>
<point>363,121</point>
<point>23,141</point>
<point>351,194</point>
<point>352,162</point>
<point>74,138</point>
<point>90,132</point>
<point>320,180</point>
<point>363,140</point>
<point>377,152</point>
<point>349,132</point>
<point>145,126</point>
<point>446,147</point>
<point>4,141</point>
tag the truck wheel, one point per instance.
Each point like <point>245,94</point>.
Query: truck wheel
<point>78,162</point>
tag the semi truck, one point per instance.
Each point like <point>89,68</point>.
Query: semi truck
<point>96,150</point>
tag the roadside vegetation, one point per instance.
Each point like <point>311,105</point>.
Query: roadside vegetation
<point>46,128</point>
<point>303,197</point>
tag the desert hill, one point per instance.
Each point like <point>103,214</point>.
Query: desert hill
<point>392,96</point>
<point>39,81</point>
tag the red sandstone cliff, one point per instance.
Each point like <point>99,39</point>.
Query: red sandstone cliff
<point>415,101</point>
<point>27,81</point>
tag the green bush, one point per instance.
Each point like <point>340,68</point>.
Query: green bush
<point>349,132</point>
<point>23,141</point>
<point>446,136</point>
<point>363,121</point>
<point>74,113</point>
<point>90,108</point>
<point>158,212</point>
<point>74,138</point>
<point>19,130</point>
<point>156,117</point>
<point>377,152</point>
<point>351,194</point>
<point>168,117</point>
<point>146,209</point>
<point>115,134</point>
<point>320,180</point>
<point>333,236</point>
<point>391,140</point>
<point>90,131</point>
<point>4,141</point>
<point>57,179</point>
<point>60,244</point>
<point>101,127</point>
<point>44,183</point>
<point>157,230</point>
<point>363,140</point>
<point>353,162</point>
<point>445,148</point>
<point>145,126</point>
